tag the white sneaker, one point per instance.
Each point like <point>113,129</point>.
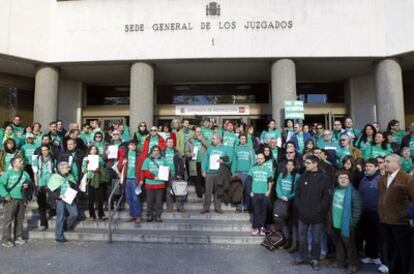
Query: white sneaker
<point>367,260</point>
<point>255,232</point>
<point>20,241</point>
<point>383,269</point>
<point>376,261</point>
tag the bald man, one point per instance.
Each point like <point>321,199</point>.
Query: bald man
<point>396,191</point>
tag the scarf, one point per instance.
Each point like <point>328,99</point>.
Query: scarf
<point>346,216</point>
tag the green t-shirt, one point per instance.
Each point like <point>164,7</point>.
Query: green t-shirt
<point>207,134</point>
<point>397,136</point>
<point>412,146</point>
<point>44,170</point>
<point>230,139</point>
<point>169,159</point>
<point>377,150</point>
<point>150,166</point>
<point>222,151</point>
<point>243,159</point>
<point>270,164</point>
<point>8,158</point>
<point>261,175</point>
<point>338,207</point>
<point>341,153</point>
<point>8,179</point>
<point>152,143</point>
<point>407,165</point>
<point>267,135</point>
<point>285,186</point>
<point>132,158</point>
<point>301,142</point>
<point>28,151</point>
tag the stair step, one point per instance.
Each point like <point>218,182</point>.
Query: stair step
<point>167,225</point>
<point>150,236</point>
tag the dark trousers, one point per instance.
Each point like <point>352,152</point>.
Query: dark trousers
<point>95,195</point>
<point>346,250</point>
<point>399,248</point>
<point>43,206</point>
<point>260,204</point>
<point>303,241</point>
<point>212,181</point>
<point>369,228</point>
<point>154,202</point>
<point>13,212</point>
<point>199,182</point>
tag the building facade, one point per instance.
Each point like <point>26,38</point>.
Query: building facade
<point>140,60</point>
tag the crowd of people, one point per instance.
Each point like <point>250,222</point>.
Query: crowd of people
<point>345,191</point>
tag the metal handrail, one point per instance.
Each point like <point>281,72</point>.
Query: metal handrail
<point>111,214</point>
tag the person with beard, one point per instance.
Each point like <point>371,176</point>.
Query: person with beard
<point>43,167</point>
<point>55,138</point>
<point>66,213</point>
<point>74,157</point>
<point>74,134</point>
<point>18,128</point>
<point>337,131</point>
<point>53,149</point>
<point>61,131</point>
<point>140,135</point>
<point>85,134</point>
<point>9,152</point>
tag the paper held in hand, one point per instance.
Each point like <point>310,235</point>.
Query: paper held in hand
<point>163,173</point>
<point>214,162</point>
<point>112,152</point>
<point>69,195</point>
<point>83,183</point>
<point>195,151</point>
<point>93,162</point>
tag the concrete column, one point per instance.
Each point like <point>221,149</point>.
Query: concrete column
<point>360,99</point>
<point>389,92</point>
<point>141,105</point>
<point>46,95</point>
<point>283,77</point>
<point>70,101</point>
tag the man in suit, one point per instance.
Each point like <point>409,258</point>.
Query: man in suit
<point>396,191</point>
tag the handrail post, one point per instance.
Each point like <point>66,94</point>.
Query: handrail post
<point>118,184</point>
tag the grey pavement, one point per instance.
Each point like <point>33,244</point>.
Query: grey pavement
<point>98,257</point>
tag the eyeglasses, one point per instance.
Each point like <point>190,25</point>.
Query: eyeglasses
<point>319,128</point>
<point>290,152</point>
<point>337,124</point>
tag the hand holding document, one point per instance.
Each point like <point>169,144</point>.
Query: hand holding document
<point>214,162</point>
<point>163,173</point>
<point>93,162</point>
<point>112,152</point>
<point>69,195</point>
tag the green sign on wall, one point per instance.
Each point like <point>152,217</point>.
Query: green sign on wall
<point>294,110</point>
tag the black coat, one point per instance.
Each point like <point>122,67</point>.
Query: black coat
<point>313,197</point>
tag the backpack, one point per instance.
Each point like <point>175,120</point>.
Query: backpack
<point>178,188</point>
<point>273,240</point>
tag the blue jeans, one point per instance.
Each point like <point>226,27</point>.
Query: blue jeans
<point>246,192</point>
<point>61,209</point>
<point>134,203</point>
<point>324,239</point>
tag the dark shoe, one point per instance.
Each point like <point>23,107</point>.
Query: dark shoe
<point>219,211</point>
<point>298,261</point>
<point>103,218</point>
<point>337,264</point>
<point>294,247</point>
<point>169,210</point>
<point>158,219</point>
<point>150,219</point>
<point>315,265</point>
<point>61,241</point>
<point>204,211</point>
<point>351,269</point>
<point>238,211</point>
<point>182,210</point>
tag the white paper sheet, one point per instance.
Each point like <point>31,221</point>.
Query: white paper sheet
<point>93,162</point>
<point>214,162</point>
<point>69,195</point>
<point>195,151</point>
<point>138,190</point>
<point>112,152</point>
<point>83,183</point>
<point>34,157</point>
<point>163,173</point>
<point>330,148</point>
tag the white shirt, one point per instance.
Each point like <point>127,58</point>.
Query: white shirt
<point>391,177</point>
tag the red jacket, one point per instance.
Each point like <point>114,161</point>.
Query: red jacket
<point>123,155</point>
<point>144,153</point>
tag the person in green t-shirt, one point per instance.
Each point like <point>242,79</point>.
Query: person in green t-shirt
<point>12,184</point>
<point>406,161</point>
<point>153,185</point>
<point>262,180</point>
<point>28,150</point>
<point>380,146</point>
<point>140,135</point>
<point>270,133</point>
<point>397,133</point>
<point>346,211</point>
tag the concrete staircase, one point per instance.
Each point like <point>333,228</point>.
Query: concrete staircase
<point>183,228</point>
